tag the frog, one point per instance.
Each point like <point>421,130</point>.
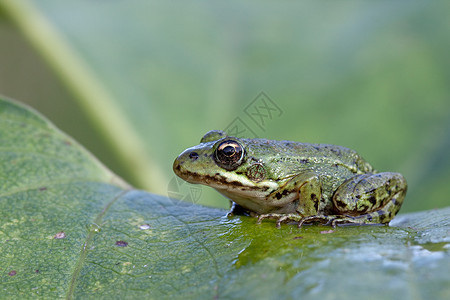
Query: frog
<point>293,182</point>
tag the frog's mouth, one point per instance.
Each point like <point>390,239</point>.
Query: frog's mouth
<point>217,180</point>
<point>221,179</point>
<point>225,182</point>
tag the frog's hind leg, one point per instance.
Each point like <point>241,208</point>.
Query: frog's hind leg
<point>369,198</point>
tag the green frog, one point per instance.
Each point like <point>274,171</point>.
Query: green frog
<point>293,182</point>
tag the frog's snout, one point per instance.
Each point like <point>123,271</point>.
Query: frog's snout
<point>187,156</point>
<point>177,166</point>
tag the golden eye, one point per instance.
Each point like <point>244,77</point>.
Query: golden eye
<point>229,155</point>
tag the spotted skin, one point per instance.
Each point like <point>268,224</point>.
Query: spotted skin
<point>293,182</point>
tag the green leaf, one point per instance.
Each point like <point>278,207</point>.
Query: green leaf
<point>69,228</point>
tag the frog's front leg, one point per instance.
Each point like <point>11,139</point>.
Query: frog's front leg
<point>298,198</point>
<point>237,210</point>
<point>369,198</point>
<point>327,220</point>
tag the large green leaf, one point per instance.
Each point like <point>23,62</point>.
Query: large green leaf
<point>69,228</point>
<point>154,76</point>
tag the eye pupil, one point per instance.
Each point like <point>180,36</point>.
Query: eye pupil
<point>229,151</point>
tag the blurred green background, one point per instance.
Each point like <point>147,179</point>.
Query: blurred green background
<point>137,82</point>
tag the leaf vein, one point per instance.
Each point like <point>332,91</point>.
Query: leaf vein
<point>86,245</point>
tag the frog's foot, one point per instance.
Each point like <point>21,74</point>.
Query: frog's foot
<point>337,220</point>
<point>281,218</point>
<point>331,220</point>
<point>325,220</point>
<point>341,220</point>
<point>285,218</point>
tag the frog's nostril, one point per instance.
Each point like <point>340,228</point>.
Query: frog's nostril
<point>193,155</point>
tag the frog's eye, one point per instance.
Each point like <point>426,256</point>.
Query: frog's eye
<point>229,155</point>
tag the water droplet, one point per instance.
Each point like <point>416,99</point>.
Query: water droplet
<point>144,227</point>
<point>95,228</point>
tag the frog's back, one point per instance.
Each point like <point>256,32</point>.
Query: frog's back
<point>334,164</point>
<point>331,156</point>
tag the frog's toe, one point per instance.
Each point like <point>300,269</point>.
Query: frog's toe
<point>282,219</point>
<point>350,221</point>
<point>268,216</point>
<point>305,220</point>
<point>262,217</point>
<point>321,219</point>
<point>334,222</point>
<point>331,222</point>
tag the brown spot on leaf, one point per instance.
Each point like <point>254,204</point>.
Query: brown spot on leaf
<point>121,244</point>
<point>60,235</point>
<point>298,237</point>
